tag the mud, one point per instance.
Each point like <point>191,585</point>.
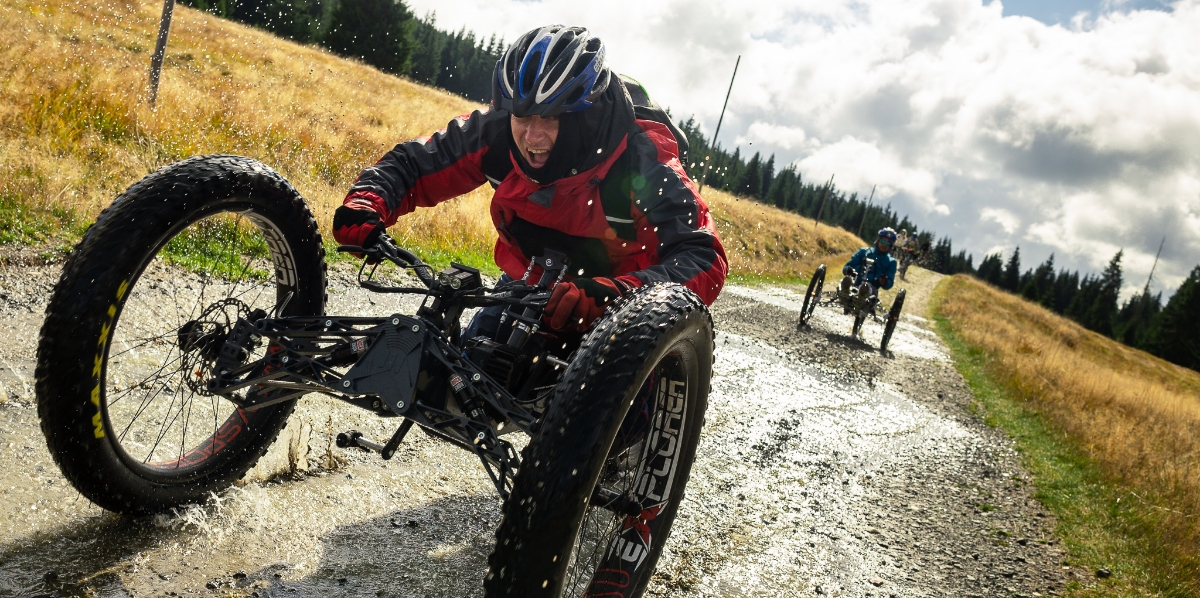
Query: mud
<point>826,468</point>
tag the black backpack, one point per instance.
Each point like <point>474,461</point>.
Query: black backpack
<point>645,108</point>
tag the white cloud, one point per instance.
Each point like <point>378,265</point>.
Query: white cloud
<point>1007,220</point>
<point>1086,134</point>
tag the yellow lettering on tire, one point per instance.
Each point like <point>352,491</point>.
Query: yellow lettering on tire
<point>98,362</point>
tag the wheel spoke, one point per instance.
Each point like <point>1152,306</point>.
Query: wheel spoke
<point>162,429</point>
<point>156,376</point>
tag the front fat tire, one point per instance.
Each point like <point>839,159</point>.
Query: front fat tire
<point>812,295</point>
<point>84,317</point>
<point>893,318</point>
<point>859,318</point>
<point>659,339</point>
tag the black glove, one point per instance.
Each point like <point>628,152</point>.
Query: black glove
<point>357,225</point>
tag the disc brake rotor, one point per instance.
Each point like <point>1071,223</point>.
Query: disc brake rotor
<point>200,341</point>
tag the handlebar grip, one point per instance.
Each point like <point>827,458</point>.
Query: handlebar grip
<point>398,254</point>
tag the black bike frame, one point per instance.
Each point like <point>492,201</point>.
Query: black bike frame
<point>391,359</point>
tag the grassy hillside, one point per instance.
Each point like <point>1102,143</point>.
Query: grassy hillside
<point>75,129</point>
<point>1128,417</point>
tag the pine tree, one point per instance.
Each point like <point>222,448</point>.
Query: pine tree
<point>1011,279</point>
<point>750,183</point>
<point>1135,317</point>
<point>768,177</point>
<point>1066,286</point>
<point>1040,286</point>
<point>428,42</point>
<point>1103,312</point>
<point>1174,334</point>
<point>374,31</point>
<point>991,269</point>
<point>1081,304</point>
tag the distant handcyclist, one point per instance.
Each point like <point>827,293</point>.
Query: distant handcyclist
<point>871,268</point>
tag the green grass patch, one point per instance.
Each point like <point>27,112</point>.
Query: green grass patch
<point>1103,525</point>
<point>25,223</point>
<point>225,245</point>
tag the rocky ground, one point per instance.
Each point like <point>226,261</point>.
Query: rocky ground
<point>826,469</point>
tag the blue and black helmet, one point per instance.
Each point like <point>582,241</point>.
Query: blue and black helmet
<point>887,234</point>
<point>550,71</point>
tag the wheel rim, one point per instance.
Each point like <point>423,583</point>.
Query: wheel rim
<point>202,275</point>
<point>611,549</point>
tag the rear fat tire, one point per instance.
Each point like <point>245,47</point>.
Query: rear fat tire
<point>83,319</point>
<point>658,339</point>
<point>812,295</point>
<point>893,318</point>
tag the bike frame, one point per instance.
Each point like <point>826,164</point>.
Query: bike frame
<point>398,363</point>
<point>858,305</point>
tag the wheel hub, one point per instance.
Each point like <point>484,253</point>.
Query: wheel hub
<point>200,340</point>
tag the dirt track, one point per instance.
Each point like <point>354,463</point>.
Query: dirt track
<point>825,469</point>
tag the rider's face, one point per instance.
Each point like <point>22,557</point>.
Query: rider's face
<point>883,245</point>
<point>535,137</point>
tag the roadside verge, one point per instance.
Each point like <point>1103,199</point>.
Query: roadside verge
<point>1086,442</point>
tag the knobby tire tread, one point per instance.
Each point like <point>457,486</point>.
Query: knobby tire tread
<point>84,294</point>
<point>546,496</point>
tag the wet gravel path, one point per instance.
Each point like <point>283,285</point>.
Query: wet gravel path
<point>826,469</point>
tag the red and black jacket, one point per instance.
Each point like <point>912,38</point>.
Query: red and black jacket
<point>634,216</point>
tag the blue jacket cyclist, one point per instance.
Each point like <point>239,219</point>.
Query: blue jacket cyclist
<point>882,272</point>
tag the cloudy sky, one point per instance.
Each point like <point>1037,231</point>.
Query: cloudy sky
<point>1064,126</point>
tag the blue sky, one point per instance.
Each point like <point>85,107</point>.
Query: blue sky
<point>1053,12</point>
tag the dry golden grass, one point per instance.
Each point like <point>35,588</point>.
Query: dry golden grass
<point>763,242</point>
<point>75,129</point>
<point>1136,415</point>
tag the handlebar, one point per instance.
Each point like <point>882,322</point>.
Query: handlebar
<point>386,249</point>
<point>518,293</point>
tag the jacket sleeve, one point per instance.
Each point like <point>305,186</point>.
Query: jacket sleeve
<point>889,274</point>
<point>429,170</point>
<point>672,220</point>
<point>856,261</point>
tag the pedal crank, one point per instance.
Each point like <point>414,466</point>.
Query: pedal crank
<point>354,438</point>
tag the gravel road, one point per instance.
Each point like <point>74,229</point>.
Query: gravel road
<point>826,469</point>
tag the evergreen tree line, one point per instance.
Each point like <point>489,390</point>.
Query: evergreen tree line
<point>1170,331</point>
<point>382,33</point>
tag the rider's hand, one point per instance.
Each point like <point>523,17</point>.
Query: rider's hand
<point>357,223</point>
<point>579,303</point>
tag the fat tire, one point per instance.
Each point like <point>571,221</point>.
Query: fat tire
<point>86,306</point>
<point>812,295</point>
<point>892,318</point>
<point>567,456</point>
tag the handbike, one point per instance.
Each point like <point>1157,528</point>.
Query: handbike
<point>190,318</point>
<point>857,300</point>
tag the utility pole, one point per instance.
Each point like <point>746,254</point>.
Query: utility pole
<point>824,196</point>
<point>1146,291</point>
<point>868,207</point>
<point>713,146</point>
<point>160,49</point>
